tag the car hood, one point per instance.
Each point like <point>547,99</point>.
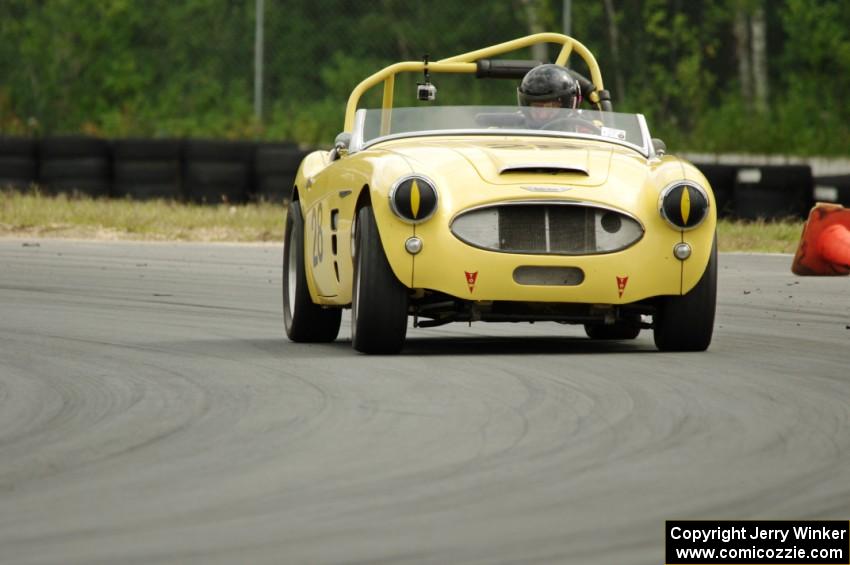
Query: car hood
<point>512,161</point>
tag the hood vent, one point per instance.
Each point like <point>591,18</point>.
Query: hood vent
<point>544,169</point>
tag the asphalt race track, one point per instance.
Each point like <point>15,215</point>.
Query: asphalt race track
<point>152,411</point>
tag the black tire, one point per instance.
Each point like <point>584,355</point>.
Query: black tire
<point>275,188</point>
<point>379,300</point>
<point>147,180</point>
<point>783,191</point>
<point>147,149</point>
<point>278,158</point>
<point>146,172</point>
<point>79,175</point>
<point>216,150</point>
<point>147,190</point>
<point>686,323</point>
<point>841,185</point>
<point>17,147</point>
<point>722,181</point>
<point>209,182</point>
<point>96,188</point>
<point>18,164</point>
<point>628,328</point>
<point>73,147</point>
<point>275,168</point>
<point>80,168</point>
<point>20,168</point>
<point>304,321</point>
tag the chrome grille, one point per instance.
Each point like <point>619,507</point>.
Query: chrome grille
<point>547,228</point>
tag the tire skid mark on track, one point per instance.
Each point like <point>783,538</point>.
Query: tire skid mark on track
<point>200,435</point>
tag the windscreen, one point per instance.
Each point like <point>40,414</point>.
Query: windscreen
<point>627,129</point>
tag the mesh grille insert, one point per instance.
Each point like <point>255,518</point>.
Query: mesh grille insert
<point>547,229</point>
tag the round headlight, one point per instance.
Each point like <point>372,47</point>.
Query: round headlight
<point>684,204</point>
<point>414,198</point>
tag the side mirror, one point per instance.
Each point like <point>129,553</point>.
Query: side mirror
<point>341,144</point>
<point>659,146</point>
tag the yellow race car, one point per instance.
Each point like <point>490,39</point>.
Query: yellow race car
<point>482,213</point>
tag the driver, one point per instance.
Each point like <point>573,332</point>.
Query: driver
<point>545,90</point>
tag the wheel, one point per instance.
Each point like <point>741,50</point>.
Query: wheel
<point>685,323</point>
<point>378,299</point>
<point>628,328</point>
<point>304,321</point>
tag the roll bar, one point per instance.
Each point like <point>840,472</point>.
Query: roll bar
<point>471,63</point>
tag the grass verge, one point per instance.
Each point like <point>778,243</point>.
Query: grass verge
<point>35,215</point>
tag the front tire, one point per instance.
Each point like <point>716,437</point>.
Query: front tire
<point>686,323</point>
<point>305,321</point>
<point>379,300</point>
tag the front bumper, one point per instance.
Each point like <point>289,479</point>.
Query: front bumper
<point>646,269</point>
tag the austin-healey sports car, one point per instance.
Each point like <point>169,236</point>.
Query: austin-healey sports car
<point>469,213</point>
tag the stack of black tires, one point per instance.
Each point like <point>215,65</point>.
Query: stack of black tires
<point>18,163</point>
<point>774,192</point>
<point>217,171</point>
<point>193,170</point>
<point>722,181</point>
<point>74,164</point>
<point>835,188</point>
<point>769,192</point>
<point>276,165</point>
<point>146,169</point>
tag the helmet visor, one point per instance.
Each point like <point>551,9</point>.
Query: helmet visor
<point>566,99</point>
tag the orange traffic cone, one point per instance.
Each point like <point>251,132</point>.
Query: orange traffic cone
<point>825,246</point>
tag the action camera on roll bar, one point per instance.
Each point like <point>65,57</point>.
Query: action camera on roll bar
<point>425,91</point>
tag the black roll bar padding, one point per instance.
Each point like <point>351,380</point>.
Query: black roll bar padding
<point>501,68</point>
<point>605,101</point>
<point>586,86</point>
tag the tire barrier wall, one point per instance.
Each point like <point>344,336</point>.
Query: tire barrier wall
<point>193,170</point>
<point>774,192</point>
<point>74,164</point>
<point>218,171</point>
<point>275,167</point>
<point>769,192</point>
<point>215,171</point>
<point>722,181</point>
<point>835,189</point>
<point>145,169</point>
<point>18,163</point>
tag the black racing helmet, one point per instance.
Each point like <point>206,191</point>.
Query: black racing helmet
<point>545,83</point>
